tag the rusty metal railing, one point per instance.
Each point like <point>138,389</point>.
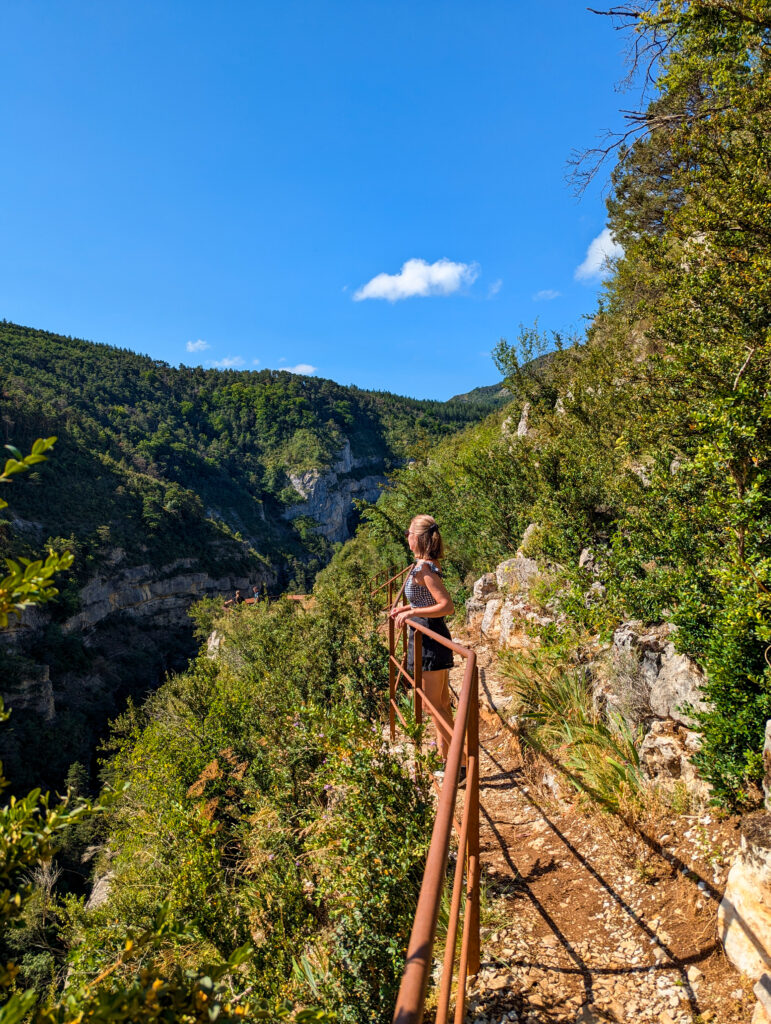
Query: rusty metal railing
<point>464,736</point>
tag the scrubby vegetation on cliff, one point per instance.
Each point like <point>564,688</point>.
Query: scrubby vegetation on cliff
<point>648,440</point>
<point>258,824</point>
<point>181,470</point>
<point>169,463</point>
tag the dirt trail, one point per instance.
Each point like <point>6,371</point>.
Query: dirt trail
<point>589,922</point>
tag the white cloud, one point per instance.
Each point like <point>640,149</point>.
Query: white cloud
<point>494,288</point>
<point>197,346</point>
<point>305,368</point>
<point>419,278</point>
<point>601,250</point>
<point>228,363</point>
<point>546,295</point>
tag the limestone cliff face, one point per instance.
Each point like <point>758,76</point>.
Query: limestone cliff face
<point>328,497</point>
<point>165,594</point>
<point>132,626</point>
<point>640,676</point>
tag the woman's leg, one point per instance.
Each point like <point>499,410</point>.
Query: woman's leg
<point>437,689</point>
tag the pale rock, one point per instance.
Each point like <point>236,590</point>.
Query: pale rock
<point>486,586</point>
<point>500,982</point>
<point>672,679</point>
<point>213,644</point>
<point>760,1015</point>
<point>513,612</point>
<point>475,611</point>
<point>594,594</point>
<point>530,534</point>
<point>491,625</point>
<point>643,471</point>
<point>328,496</point>
<point>586,560</point>
<point>524,419</point>
<point>744,915</point>
<point>679,681</point>
<point>762,992</point>
<point>143,591</point>
<point>516,574</point>
<point>100,891</point>
<point>767,766</point>
<point>665,754</point>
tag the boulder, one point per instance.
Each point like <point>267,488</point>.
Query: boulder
<point>665,756</point>
<point>523,425</point>
<point>213,644</point>
<point>475,611</point>
<point>491,623</point>
<point>100,891</point>
<point>516,574</point>
<point>679,682</point>
<point>767,766</point>
<point>486,586</point>
<point>762,990</point>
<point>586,560</point>
<point>744,915</point>
<point>528,537</point>
<point>594,594</point>
<point>511,611</point>
<point>673,679</point>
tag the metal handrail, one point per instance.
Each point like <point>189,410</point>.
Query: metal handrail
<point>410,1003</point>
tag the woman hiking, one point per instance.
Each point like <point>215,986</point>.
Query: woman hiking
<point>428,596</point>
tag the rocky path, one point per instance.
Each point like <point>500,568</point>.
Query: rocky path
<point>588,922</point>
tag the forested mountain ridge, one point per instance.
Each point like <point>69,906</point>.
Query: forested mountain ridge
<point>170,484</point>
<point>160,453</point>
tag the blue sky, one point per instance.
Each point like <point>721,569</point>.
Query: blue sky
<point>249,179</point>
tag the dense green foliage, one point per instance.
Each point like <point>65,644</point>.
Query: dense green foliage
<point>263,810</point>
<point>188,462</point>
<point>28,582</point>
<point>261,846</point>
<point>648,441</point>
<point>264,807</point>
<point>185,470</point>
<point>33,830</point>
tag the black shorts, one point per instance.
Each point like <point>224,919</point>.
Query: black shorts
<point>435,656</point>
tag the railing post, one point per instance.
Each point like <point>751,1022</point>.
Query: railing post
<point>417,669</point>
<point>472,795</point>
<point>391,677</point>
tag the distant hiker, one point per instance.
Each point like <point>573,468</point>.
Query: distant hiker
<point>237,599</point>
<point>427,593</point>
<point>256,592</point>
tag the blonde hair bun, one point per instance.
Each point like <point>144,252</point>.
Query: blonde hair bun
<point>428,537</point>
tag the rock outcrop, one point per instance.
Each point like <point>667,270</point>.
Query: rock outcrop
<point>639,677</point>
<point>327,497</point>
<point>500,606</point>
<point>669,682</point>
<point>165,593</point>
<point>666,754</point>
<point>34,693</point>
<point>744,915</point>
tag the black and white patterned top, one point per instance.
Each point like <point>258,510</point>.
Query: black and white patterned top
<point>418,595</point>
